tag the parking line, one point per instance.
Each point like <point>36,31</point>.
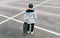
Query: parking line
<point>18,8</point>
<point>4,21</point>
<point>51,6</point>
<point>53,2</point>
<point>24,11</point>
<point>49,31</point>
<point>34,7</point>
<point>48,13</point>
<point>46,30</point>
<point>35,26</point>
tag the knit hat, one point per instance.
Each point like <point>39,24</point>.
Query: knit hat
<point>30,5</point>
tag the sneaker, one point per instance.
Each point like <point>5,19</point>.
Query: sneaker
<point>32,32</point>
<point>28,32</point>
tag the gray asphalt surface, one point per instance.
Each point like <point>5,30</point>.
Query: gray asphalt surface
<point>48,17</point>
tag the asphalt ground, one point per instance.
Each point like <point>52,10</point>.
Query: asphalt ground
<point>12,16</point>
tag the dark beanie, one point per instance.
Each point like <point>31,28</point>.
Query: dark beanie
<point>30,5</point>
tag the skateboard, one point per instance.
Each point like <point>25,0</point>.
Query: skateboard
<point>25,27</point>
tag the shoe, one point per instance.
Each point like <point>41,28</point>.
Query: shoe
<point>28,32</point>
<point>32,32</point>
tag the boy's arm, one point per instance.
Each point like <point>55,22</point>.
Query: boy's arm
<point>25,17</point>
<point>35,15</point>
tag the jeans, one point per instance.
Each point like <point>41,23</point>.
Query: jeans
<point>32,27</point>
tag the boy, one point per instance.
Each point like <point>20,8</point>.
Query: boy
<point>30,19</point>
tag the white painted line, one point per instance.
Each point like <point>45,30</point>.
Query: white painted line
<point>17,21</point>
<point>4,21</point>
<point>6,1</point>
<point>41,12</point>
<point>24,11</point>
<point>42,3</point>
<point>18,8</point>
<point>8,18</point>
<point>37,11</point>
<point>29,2</point>
<point>49,31</point>
<point>35,26</point>
<point>53,2</point>
<point>47,13</point>
<point>51,6</point>
<point>36,1</point>
<point>4,16</point>
<point>34,7</point>
<point>18,14</point>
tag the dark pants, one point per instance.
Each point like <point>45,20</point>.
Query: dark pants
<point>32,27</point>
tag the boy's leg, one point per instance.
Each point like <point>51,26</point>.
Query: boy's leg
<point>28,27</point>
<point>32,27</point>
